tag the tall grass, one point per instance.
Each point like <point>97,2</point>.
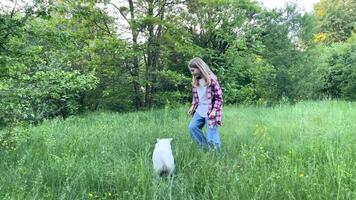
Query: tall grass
<point>305,151</point>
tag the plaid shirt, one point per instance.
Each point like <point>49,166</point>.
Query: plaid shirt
<point>214,94</point>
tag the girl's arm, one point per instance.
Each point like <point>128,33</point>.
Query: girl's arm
<point>195,101</point>
<point>217,92</point>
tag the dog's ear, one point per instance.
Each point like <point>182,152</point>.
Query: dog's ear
<point>157,139</point>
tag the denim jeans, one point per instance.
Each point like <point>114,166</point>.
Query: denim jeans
<point>212,139</point>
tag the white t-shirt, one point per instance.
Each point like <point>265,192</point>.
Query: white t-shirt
<point>203,106</point>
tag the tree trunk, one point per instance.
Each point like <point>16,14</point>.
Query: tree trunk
<point>135,70</point>
<point>153,53</point>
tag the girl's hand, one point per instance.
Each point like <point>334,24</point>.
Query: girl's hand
<point>190,111</point>
<point>212,114</point>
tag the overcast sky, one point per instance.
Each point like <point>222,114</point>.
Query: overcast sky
<point>306,5</point>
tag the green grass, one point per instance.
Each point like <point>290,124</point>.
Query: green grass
<point>305,151</point>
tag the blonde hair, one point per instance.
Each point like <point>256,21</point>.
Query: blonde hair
<point>204,69</point>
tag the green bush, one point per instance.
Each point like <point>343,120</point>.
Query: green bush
<point>340,79</point>
<point>43,94</point>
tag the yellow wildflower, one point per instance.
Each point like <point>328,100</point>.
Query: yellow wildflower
<point>258,59</point>
<point>319,12</point>
<point>319,37</point>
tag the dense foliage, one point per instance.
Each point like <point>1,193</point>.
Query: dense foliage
<point>59,58</point>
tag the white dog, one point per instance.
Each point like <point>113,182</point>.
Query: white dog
<point>162,158</point>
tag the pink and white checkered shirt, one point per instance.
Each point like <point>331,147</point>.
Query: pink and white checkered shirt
<point>214,94</point>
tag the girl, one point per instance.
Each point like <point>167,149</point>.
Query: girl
<point>206,105</point>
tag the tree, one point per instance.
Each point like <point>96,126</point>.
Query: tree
<point>148,19</point>
<point>335,20</point>
<point>44,73</point>
<point>280,32</point>
<point>340,78</point>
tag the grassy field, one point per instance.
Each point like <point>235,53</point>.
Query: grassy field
<point>305,151</point>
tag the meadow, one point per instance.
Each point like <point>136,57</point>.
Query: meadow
<point>301,151</point>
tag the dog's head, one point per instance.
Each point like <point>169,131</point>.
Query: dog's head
<point>164,140</point>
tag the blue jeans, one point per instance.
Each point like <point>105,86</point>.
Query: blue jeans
<point>212,139</point>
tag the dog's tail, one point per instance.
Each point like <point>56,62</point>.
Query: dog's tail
<point>164,171</point>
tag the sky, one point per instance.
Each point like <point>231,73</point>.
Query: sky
<point>306,5</point>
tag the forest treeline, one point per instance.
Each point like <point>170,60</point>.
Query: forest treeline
<point>64,57</point>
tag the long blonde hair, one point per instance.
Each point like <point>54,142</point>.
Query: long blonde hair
<point>204,69</point>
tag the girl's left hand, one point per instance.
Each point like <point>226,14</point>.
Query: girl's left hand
<point>212,114</point>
